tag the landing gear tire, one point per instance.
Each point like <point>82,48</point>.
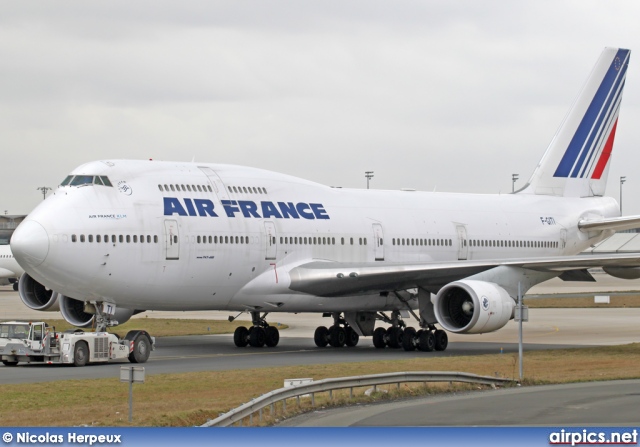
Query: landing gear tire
<point>141,349</point>
<point>337,336</point>
<point>321,336</point>
<point>9,362</point>
<point>81,354</point>
<point>241,337</point>
<point>272,336</point>
<point>379,338</point>
<point>257,337</point>
<point>408,342</point>
<point>441,340</point>
<point>394,336</point>
<point>15,286</point>
<point>352,337</point>
<point>426,341</point>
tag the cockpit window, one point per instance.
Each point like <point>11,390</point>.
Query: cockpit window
<point>82,180</point>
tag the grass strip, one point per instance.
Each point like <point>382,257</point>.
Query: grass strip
<point>192,398</point>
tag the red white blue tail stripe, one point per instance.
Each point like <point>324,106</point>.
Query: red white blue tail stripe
<point>590,148</point>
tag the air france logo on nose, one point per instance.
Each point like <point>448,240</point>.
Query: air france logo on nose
<point>245,208</point>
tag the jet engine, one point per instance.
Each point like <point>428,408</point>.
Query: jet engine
<point>473,307</point>
<point>74,311</point>
<point>36,296</point>
<point>623,272</point>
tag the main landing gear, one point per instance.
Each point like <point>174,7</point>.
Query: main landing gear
<point>338,335</point>
<point>258,335</point>
<point>407,338</point>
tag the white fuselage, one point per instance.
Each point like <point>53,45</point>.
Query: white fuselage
<point>175,236</point>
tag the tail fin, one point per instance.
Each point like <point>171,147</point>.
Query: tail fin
<point>576,162</point>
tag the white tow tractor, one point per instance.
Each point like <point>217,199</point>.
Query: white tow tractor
<point>39,343</point>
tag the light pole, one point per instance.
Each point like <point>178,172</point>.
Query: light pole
<point>622,180</point>
<point>514,179</point>
<point>44,190</point>
<point>369,176</point>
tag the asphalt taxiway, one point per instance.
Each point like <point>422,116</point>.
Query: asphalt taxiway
<point>547,329</point>
<point>576,404</point>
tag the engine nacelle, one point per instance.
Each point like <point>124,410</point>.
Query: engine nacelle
<point>74,311</point>
<point>473,307</point>
<point>623,272</point>
<point>36,296</point>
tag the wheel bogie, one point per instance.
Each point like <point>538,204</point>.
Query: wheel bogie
<point>352,337</point>
<point>10,362</point>
<point>408,339</point>
<point>241,337</point>
<point>379,337</point>
<point>337,336</point>
<point>321,336</point>
<point>272,336</point>
<point>257,337</point>
<point>394,337</point>
<point>426,341</point>
<point>441,340</point>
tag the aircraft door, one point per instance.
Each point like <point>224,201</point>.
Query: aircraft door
<point>462,242</point>
<point>270,240</point>
<point>216,182</point>
<point>378,242</point>
<point>171,239</point>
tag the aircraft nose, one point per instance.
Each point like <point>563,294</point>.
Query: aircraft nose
<point>30,244</point>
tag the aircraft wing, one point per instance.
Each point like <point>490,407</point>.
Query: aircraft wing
<point>612,223</point>
<point>325,278</point>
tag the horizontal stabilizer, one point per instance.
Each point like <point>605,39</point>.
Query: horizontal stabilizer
<point>612,223</point>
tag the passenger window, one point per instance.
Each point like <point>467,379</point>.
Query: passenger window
<point>128,239</point>
<point>155,239</point>
<point>82,238</point>
<point>74,238</point>
<point>98,238</point>
<point>135,238</point>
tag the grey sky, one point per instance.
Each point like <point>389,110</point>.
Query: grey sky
<point>451,95</point>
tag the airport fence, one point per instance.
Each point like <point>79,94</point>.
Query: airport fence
<point>258,404</point>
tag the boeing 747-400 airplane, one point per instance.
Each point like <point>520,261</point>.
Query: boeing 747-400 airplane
<point>120,237</point>
<point>10,270</point>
